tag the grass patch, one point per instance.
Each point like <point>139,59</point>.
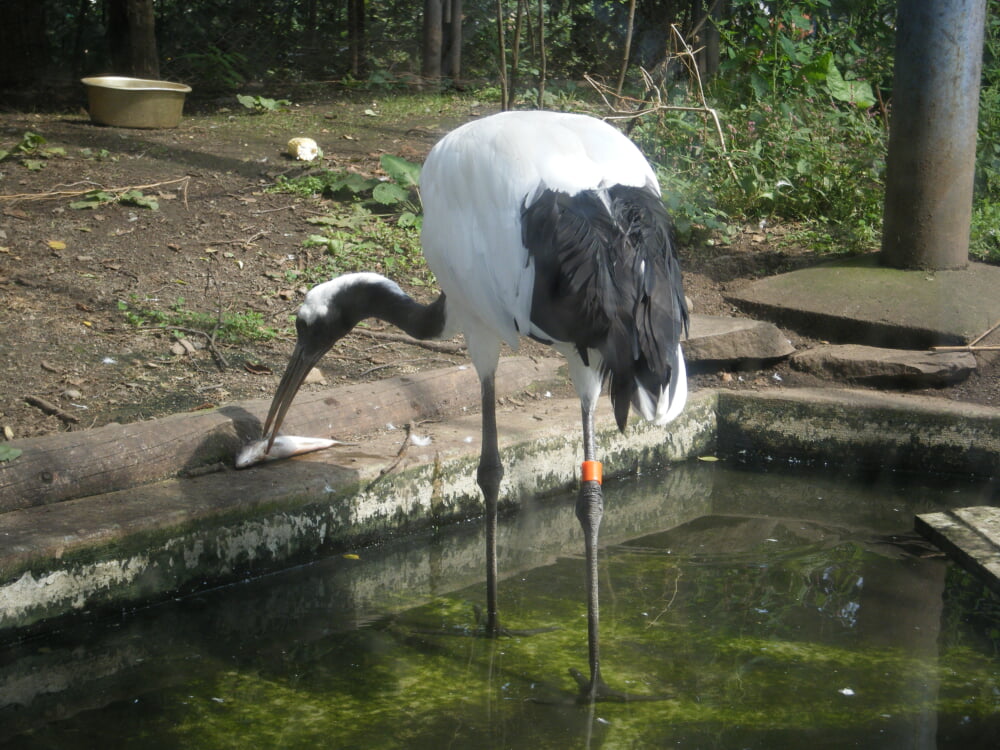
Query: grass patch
<point>226,327</point>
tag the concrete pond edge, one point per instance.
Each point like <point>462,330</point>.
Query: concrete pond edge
<point>168,538</point>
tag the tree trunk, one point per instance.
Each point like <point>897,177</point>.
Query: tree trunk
<point>24,51</point>
<point>627,52</point>
<point>515,49</point>
<point>707,34</point>
<point>454,59</point>
<point>433,40</point>
<point>132,38</point>
<point>542,62</point>
<point>502,61</point>
<point>356,36</point>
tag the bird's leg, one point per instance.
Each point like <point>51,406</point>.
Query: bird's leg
<point>590,511</point>
<point>488,476</point>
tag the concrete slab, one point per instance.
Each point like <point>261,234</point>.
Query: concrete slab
<point>860,431</point>
<point>137,545</point>
<point>971,536</point>
<point>144,543</point>
<point>856,300</point>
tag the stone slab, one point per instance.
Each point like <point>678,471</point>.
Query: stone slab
<point>872,365</point>
<point>719,341</point>
<point>856,300</point>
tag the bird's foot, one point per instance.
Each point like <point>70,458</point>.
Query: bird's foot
<point>593,690</point>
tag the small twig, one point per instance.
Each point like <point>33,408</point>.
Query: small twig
<point>245,243</point>
<point>210,338</point>
<point>272,210</point>
<point>50,408</point>
<point>640,108</point>
<point>399,457</point>
<point>398,362</point>
<point>985,333</point>
<point>55,194</point>
<point>401,338</point>
<point>972,345</point>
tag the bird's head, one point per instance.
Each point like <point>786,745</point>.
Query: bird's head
<point>323,319</point>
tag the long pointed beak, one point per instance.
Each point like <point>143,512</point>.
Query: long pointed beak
<point>299,365</point>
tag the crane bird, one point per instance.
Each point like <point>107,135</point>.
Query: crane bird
<point>540,224</point>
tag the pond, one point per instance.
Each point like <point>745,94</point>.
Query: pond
<point>763,609</point>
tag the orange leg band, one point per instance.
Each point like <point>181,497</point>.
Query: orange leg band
<point>593,471</point>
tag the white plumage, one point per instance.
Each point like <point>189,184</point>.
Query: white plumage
<point>474,186</point>
<point>489,168</point>
<point>536,224</point>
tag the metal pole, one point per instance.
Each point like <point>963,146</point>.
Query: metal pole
<point>932,137</point>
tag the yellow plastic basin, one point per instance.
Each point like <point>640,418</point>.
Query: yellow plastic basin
<point>135,102</point>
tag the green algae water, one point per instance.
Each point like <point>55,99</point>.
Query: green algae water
<point>766,610</point>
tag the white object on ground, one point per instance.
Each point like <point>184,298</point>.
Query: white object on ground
<point>285,446</point>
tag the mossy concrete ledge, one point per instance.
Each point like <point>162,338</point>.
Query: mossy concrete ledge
<point>132,546</point>
<point>170,537</point>
<point>859,431</point>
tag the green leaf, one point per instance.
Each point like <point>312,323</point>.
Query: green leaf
<point>761,87</point>
<point>817,70</point>
<point>4,154</point>
<point>316,239</point>
<point>9,454</point>
<point>406,173</point>
<point>354,183</point>
<point>93,199</point>
<point>408,219</point>
<point>858,93</point>
<point>34,165</point>
<point>789,48</point>
<point>389,194</point>
<point>136,198</point>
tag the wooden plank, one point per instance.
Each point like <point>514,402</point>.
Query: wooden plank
<point>68,465</point>
<point>971,536</point>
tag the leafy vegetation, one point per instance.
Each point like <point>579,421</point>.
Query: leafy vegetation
<point>803,90</point>
<point>374,224</point>
<point>985,239</point>
<point>803,142</point>
<point>228,327</point>
<point>32,150</point>
<point>98,198</point>
<point>260,104</point>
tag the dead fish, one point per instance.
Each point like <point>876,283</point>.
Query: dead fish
<point>284,446</point>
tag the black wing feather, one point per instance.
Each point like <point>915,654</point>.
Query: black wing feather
<point>607,278</point>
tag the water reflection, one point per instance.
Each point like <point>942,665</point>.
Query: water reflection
<point>778,610</point>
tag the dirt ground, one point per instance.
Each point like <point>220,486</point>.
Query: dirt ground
<point>70,360</point>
